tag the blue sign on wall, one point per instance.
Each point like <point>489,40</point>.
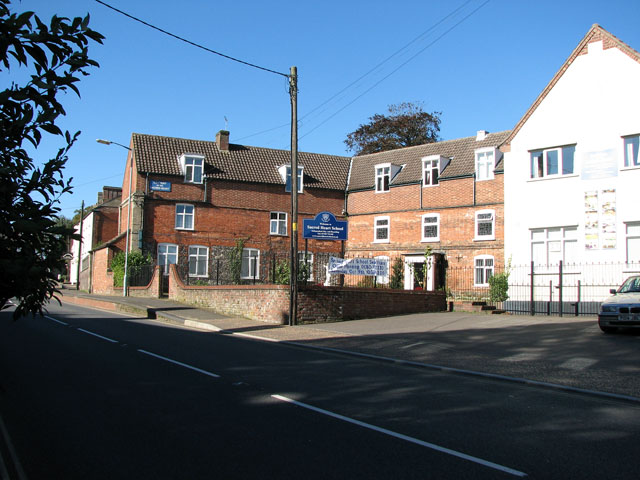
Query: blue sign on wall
<point>159,186</point>
<point>324,227</point>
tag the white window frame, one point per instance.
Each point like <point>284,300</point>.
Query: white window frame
<point>479,237</point>
<point>191,166</point>
<point>484,268</point>
<point>181,217</point>
<point>199,256</point>
<point>485,168</point>
<point>252,256</point>
<point>567,234</point>
<point>285,173</point>
<point>381,171</point>
<point>278,223</point>
<point>631,155</point>
<point>165,255</point>
<point>424,223</point>
<point>431,169</point>
<point>309,262</point>
<point>632,232</point>
<point>377,227</point>
<point>536,174</point>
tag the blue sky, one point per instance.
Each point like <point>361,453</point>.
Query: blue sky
<point>481,63</point>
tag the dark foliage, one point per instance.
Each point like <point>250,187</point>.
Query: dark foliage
<point>406,125</point>
<point>32,240</point>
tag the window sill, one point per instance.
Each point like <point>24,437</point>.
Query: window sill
<point>484,179</point>
<point>279,234</point>
<point>430,240</point>
<point>381,241</point>
<point>185,229</point>
<point>484,239</point>
<point>482,285</point>
<point>552,177</point>
<point>430,186</point>
<point>632,167</point>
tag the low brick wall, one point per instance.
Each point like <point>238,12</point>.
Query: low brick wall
<point>152,290</point>
<point>321,304</point>
<point>270,303</point>
<point>266,303</point>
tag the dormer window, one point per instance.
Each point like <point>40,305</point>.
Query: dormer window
<point>383,177</point>
<point>193,167</point>
<point>285,173</point>
<point>431,168</point>
<point>385,173</point>
<point>485,163</point>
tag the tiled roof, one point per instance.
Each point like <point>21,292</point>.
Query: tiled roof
<point>156,154</point>
<point>461,152</point>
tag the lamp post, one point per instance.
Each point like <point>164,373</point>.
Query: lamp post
<point>126,248</point>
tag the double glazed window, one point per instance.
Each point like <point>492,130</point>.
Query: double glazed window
<point>167,255</point>
<point>633,242</point>
<point>631,144</point>
<point>551,245</point>
<point>300,179</point>
<point>381,230</point>
<point>552,162</point>
<point>383,177</point>
<point>184,216</point>
<point>483,270</point>
<point>250,268</point>
<point>431,227</point>
<point>485,225</point>
<point>430,172</point>
<point>193,168</point>
<point>198,259</point>
<point>485,164</point>
<point>278,223</point>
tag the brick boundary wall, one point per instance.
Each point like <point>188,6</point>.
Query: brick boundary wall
<point>153,289</point>
<point>321,304</point>
<point>270,303</point>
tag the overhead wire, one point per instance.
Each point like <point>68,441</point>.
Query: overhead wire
<point>394,70</point>
<point>190,42</point>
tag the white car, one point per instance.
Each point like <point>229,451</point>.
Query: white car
<point>623,309</point>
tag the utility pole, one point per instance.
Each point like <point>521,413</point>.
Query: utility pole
<point>80,247</point>
<point>293,277</point>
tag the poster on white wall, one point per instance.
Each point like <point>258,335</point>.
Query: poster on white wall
<point>591,225</point>
<point>600,219</point>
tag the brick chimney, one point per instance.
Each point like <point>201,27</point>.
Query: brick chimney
<point>222,140</point>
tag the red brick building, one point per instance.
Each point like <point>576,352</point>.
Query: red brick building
<point>446,197</point>
<point>99,225</point>
<point>191,201</point>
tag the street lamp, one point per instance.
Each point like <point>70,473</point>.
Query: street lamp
<point>126,248</point>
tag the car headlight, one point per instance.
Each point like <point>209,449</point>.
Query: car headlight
<point>608,308</point>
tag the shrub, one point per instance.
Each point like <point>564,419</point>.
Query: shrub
<point>136,259</point>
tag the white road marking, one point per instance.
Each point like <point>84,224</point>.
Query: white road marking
<point>99,336</point>
<point>400,436</point>
<point>521,357</point>
<point>175,362</point>
<point>578,363</point>
<point>412,345</point>
<point>56,320</point>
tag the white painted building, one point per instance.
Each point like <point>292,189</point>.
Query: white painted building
<point>572,168</point>
<point>81,248</point>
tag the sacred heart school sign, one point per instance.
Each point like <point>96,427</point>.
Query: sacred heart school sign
<point>324,227</point>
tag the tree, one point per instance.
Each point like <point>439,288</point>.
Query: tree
<point>406,125</point>
<point>32,241</point>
